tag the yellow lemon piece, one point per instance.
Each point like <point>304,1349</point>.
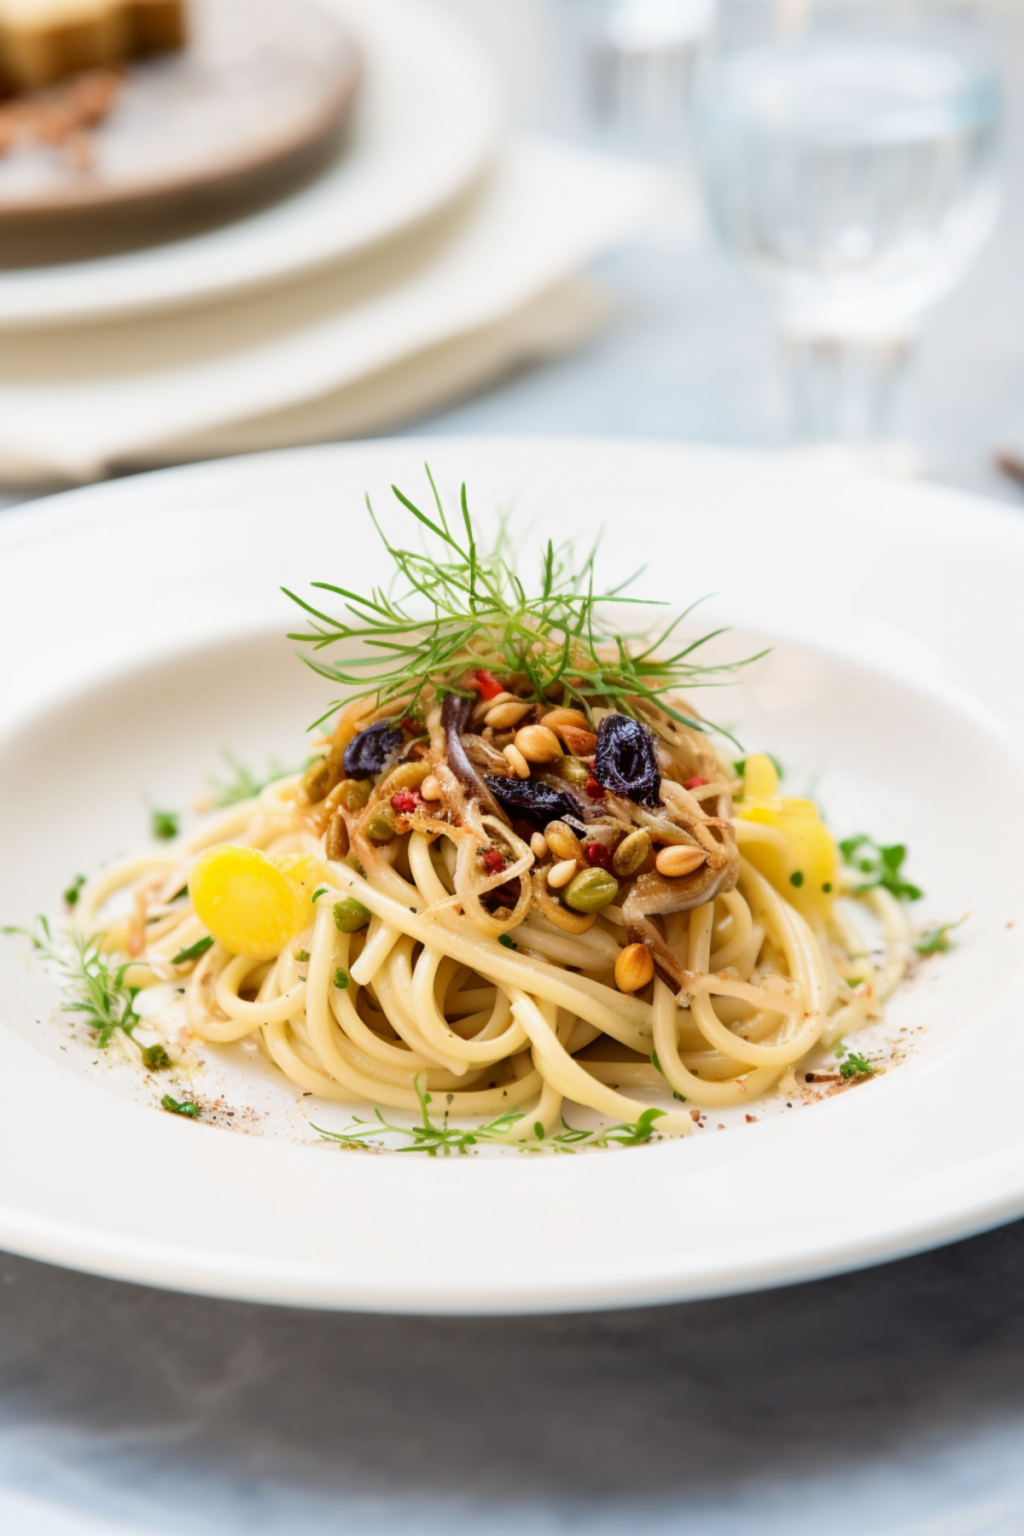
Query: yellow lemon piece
<point>247,901</point>
<point>803,862</point>
<point>304,870</point>
<point>760,777</point>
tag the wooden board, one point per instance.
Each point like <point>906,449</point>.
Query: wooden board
<point>261,89</point>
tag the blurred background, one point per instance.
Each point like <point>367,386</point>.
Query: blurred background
<point>764,223</point>
<point>783,223</point>
<point>838,260</point>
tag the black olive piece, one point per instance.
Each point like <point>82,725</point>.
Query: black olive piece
<point>367,753</point>
<point>531,799</point>
<point>625,761</point>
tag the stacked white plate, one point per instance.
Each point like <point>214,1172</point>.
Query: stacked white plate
<point>430,254</point>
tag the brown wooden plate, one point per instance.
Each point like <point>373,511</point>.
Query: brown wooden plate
<point>260,92</point>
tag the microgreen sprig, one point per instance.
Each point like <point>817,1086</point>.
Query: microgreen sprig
<point>878,864</point>
<point>451,607</point>
<point>855,1065</point>
<point>442,1139</point>
<point>936,941</point>
<point>96,990</point>
<point>243,783</point>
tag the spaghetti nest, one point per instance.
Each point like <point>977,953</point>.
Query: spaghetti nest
<point>513,903</point>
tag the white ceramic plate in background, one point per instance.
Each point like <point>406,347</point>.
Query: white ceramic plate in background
<point>137,626</point>
<point>425,125</point>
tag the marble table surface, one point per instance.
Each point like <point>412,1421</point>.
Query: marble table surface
<point>889,1401</point>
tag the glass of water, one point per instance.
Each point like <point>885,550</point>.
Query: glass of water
<point>849,152</point>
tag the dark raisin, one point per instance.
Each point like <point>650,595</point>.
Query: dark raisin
<point>532,799</point>
<point>625,761</point>
<point>367,753</point>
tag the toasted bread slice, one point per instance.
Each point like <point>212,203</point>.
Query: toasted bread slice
<point>44,40</point>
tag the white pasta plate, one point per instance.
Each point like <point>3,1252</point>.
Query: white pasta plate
<point>142,631</point>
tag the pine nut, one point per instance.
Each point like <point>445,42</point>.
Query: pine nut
<point>561,874</point>
<point>539,845</point>
<point>486,705</point>
<point>678,860</point>
<point>430,789</point>
<point>538,744</point>
<point>517,762</point>
<point>634,968</point>
<point>502,716</point>
<point>563,842</point>
<point>556,718</point>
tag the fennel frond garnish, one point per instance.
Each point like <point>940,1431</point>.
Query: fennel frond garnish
<point>450,607</point>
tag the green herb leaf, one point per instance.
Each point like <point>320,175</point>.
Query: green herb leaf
<point>164,824</point>
<point>507,940</point>
<point>321,890</point>
<point>856,1066</point>
<point>300,955</point>
<point>879,865</point>
<point>187,1107</point>
<point>73,891</point>
<point>194,951</point>
<point>797,878</point>
<point>156,1058</point>
<point>935,941</point>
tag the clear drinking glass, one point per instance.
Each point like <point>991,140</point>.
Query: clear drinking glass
<point>849,153</point>
<point>640,57</point>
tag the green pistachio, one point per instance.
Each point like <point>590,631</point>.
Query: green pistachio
<point>355,793</point>
<point>631,853</point>
<point>573,770</point>
<point>381,826</point>
<point>591,890</point>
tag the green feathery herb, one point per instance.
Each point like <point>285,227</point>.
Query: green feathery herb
<point>878,865</point>
<point>935,941</point>
<point>98,991</point>
<point>452,607</point>
<point>73,891</point>
<point>441,1140</point>
<point>244,785</point>
<point>164,824</point>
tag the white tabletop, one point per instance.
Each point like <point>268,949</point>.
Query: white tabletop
<point>890,1401</point>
